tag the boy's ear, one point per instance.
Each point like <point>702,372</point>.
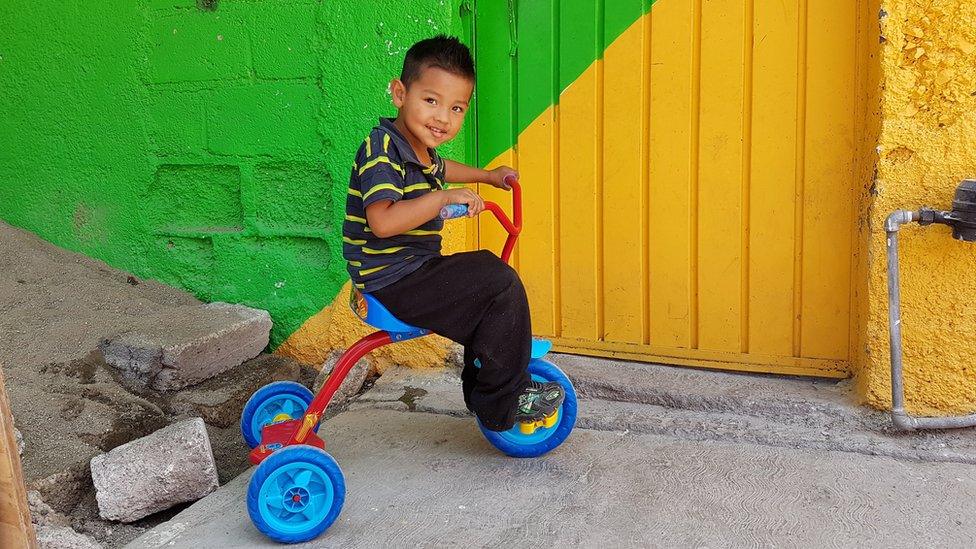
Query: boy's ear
<point>398,91</point>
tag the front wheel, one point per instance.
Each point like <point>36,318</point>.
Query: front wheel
<point>296,494</point>
<point>515,443</point>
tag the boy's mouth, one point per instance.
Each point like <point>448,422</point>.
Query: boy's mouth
<point>438,133</point>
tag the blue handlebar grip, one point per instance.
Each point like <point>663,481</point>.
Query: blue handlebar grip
<point>452,211</point>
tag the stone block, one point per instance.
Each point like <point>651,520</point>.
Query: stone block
<point>185,349</point>
<point>195,46</point>
<point>173,465</point>
<point>272,118</point>
<point>283,38</point>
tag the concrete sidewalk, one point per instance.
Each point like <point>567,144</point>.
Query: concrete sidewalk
<point>660,457</point>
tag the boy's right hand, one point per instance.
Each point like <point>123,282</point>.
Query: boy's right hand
<point>467,197</point>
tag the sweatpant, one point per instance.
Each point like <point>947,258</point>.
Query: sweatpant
<point>477,300</point>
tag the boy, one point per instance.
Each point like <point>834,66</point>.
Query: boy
<point>392,245</point>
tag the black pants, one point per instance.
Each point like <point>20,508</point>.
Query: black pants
<point>477,300</point>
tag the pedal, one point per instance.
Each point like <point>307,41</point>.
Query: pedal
<point>529,427</point>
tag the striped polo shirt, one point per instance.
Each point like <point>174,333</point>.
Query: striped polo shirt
<point>387,168</point>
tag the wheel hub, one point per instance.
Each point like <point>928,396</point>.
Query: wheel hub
<point>296,499</point>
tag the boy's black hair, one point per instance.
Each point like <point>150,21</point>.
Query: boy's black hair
<point>444,52</point>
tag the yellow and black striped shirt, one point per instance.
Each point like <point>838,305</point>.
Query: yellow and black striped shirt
<point>387,168</point>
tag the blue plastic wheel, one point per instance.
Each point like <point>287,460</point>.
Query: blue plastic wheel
<point>296,494</point>
<point>278,401</point>
<point>516,444</point>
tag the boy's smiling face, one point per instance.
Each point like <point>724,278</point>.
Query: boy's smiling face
<point>432,108</point>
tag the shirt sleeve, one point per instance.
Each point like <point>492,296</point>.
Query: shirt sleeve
<point>381,172</point>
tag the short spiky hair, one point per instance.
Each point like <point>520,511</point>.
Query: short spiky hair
<point>444,52</point>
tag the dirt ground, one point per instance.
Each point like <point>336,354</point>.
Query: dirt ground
<point>55,307</point>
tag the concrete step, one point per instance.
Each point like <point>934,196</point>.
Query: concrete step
<point>700,405</point>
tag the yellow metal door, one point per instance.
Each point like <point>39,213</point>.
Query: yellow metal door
<point>688,170</point>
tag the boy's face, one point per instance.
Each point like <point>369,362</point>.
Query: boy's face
<point>432,109</point>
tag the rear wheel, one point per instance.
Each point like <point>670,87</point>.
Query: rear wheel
<point>516,443</point>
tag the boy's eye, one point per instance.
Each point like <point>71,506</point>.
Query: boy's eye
<point>458,110</point>
<point>431,100</point>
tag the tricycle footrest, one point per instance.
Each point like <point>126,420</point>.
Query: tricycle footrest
<point>277,435</point>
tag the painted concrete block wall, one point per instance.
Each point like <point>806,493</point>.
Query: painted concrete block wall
<point>927,145</point>
<point>205,147</point>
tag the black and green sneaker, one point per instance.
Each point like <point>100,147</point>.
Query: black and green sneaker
<point>539,400</point>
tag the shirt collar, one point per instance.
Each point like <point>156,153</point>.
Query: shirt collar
<point>403,147</point>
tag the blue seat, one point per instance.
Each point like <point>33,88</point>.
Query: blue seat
<point>372,312</point>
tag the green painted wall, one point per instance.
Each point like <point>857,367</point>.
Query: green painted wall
<point>208,149</point>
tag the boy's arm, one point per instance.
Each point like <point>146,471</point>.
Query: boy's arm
<point>456,172</point>
<point>387,218</point>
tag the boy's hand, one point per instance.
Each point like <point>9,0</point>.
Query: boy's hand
<point>467,197</point>
<point>497,177</point>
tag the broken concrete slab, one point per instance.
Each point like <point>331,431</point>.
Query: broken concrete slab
<point>188,345</point>
<point>171,466</point>
<point>78,410</point>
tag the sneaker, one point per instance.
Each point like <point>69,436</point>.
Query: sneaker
<point>539,400</point>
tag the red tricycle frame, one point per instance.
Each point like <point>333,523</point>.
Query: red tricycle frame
<point>301,430</point>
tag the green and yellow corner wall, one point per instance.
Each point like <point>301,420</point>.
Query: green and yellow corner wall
<point>207,145</point>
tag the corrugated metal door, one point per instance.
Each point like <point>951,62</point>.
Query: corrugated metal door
<point>688,171</point>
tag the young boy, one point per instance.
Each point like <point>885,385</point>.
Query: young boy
<point>392,245</point>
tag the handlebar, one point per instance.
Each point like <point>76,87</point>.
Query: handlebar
<point>452,211</point>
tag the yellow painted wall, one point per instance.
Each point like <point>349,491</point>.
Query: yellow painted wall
<point>927,145</point>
